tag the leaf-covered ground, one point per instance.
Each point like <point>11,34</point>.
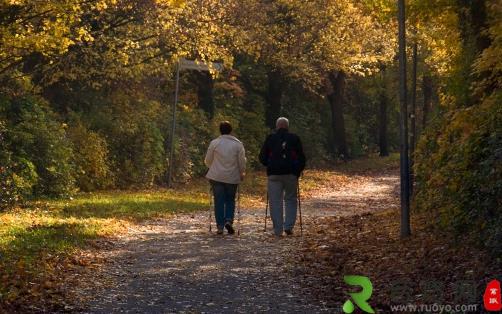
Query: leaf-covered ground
<point>176,265</point>
<point>171,263</point>
<point>429,268</point>
<point>45,240</point>
<point>363,238</point>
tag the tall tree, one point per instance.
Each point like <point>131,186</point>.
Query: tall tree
<point>427,90</point>
<point>274,97</point>
<point>336,98</point>
<point>383,142</point>
<point>339,53</point>
<point>413,113</point>
<point>473,25</point>
<point>205,85</point>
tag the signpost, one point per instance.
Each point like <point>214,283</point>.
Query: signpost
<point>184,64</point>
<point>200,66</point>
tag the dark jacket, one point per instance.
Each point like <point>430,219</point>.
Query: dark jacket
<point>282,153</point>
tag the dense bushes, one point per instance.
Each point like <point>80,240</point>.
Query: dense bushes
<point>8,191</point>
<point>459,171</point>
<point>459,158</point>
<point>132,132</point>
<point>247,115</point>
<point>37,151</point>
<point>122,145</point>
<point>193,134</point>
<point>309,124</point>
<point>82,139</point>
<point>90,157</point>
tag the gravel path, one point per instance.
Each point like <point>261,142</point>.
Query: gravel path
<point>177,266</point>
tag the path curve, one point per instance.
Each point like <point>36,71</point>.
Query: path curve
<point>177,266</point>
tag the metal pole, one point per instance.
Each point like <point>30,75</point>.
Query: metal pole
<point>413,135</point>
<point>404,162</point>
<point>173,127</point>
<point>238,211</point>
<point>300,208</point>
<point>266,214</point>
<point>210,207</point>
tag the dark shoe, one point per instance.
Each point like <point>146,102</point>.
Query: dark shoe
<point>229,228</point>
<point>219,231</point>
<point>288,232</point>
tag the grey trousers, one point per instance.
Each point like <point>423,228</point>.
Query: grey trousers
<point>282,189</point>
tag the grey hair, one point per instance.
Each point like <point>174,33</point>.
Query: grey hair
<point>282,123</point>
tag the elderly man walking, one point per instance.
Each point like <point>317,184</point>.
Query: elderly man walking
<point>282,154</point>
<point>226,160</point>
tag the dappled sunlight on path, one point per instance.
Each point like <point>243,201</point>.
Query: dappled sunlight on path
<point>362,194</point>
<point>176,265</point>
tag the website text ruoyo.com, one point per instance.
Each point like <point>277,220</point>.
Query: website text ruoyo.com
<point>434,308</point>
<point>429,299</point>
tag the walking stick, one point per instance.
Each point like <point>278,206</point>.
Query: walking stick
<point>210,207</point>
<point>300,208</point>
<point>238,211</point>
<point>266,214</point>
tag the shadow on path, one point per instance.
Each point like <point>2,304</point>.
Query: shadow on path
<point>176,265</point>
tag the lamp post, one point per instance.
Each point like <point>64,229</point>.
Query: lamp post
<point>403,125</point>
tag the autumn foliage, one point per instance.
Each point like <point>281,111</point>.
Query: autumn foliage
<point>87,93</point>
<point>459,173</point>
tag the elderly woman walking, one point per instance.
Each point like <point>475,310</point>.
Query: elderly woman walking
<point>226,160</point>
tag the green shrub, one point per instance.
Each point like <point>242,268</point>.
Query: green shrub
<point>139,156</point>
<point>133,131</point>
<point>92,169</point>
<point>149,156</point>
<point>8,192</point>
<point>40,152</point>
<point>193,134</point>
<point>17,174</point>
<point>252,132</point>
<point>247,116</point>
<point>306,119</point>
<point>459,171</point>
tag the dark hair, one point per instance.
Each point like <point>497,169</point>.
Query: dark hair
<point>225,127</point>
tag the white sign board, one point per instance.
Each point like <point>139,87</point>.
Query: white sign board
<point>200,66</point>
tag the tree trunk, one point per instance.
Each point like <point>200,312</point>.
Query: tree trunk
<point>427,106</point>
<point>205,86</point>
<point>336,98</point>
<point>413,133</point>
<point>274,98</point>
<point>382,126</point>
<point>473,22</point>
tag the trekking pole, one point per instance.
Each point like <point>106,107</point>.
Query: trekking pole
<point>266,214</point>
<point>210,207</point>
<point>300,208</point>
<point>238,211</point>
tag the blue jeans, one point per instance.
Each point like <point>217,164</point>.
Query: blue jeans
<point>283,201</point>
<point>224,202</point>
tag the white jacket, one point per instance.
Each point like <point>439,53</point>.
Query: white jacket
<point>226,159</point>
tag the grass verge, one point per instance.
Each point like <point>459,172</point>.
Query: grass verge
<point>36,240</point>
